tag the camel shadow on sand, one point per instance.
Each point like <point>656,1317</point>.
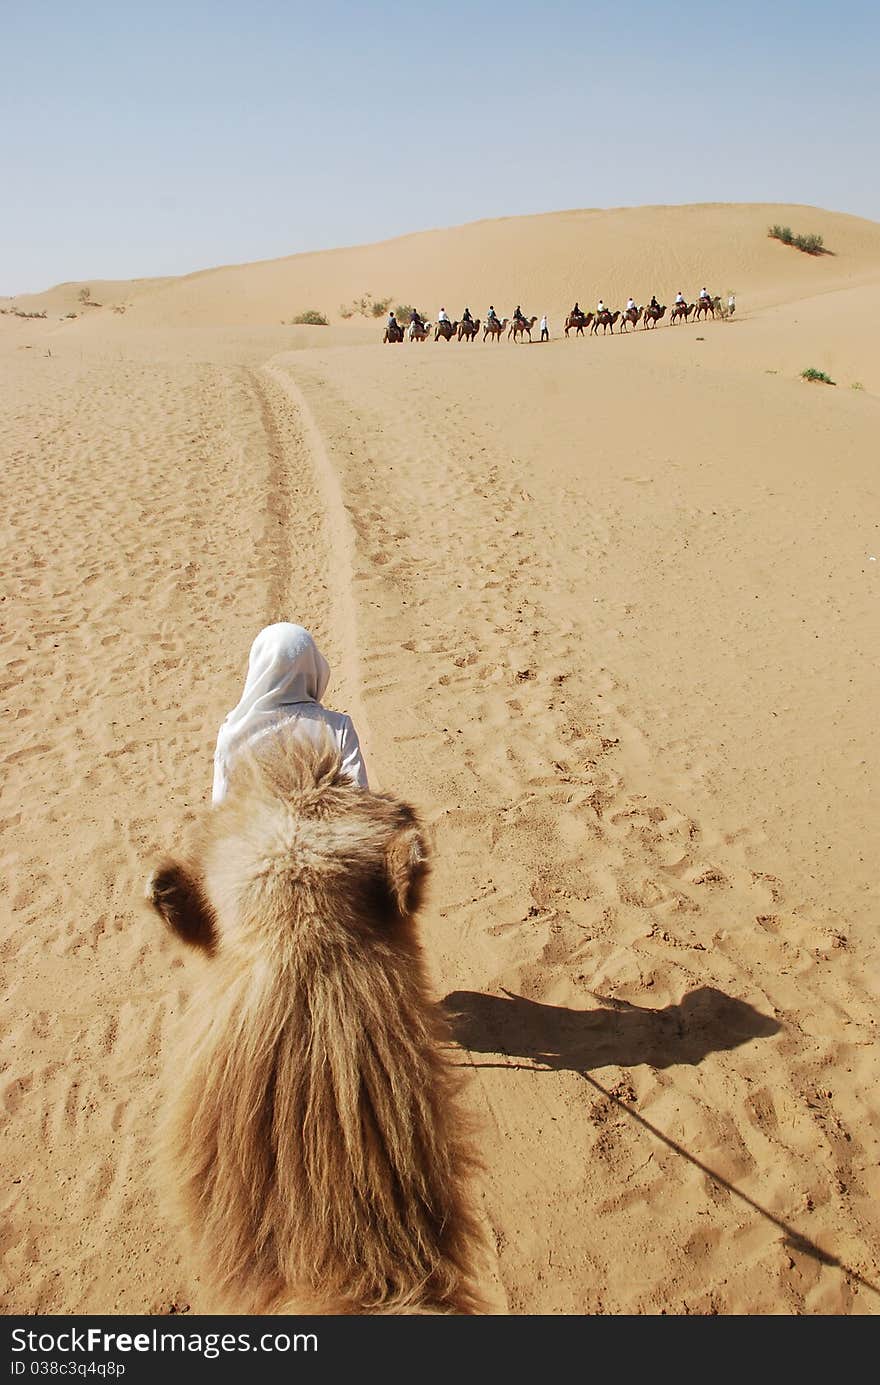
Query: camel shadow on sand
<point>617,1034</point>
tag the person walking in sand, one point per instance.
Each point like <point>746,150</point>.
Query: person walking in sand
<point>545,331</point>
<point>286,679</point>
<point>731,305</point>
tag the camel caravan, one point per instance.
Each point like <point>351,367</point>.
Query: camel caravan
<point>316,1149</point>
<point>519,327</point>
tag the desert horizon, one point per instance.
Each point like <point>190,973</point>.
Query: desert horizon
<point>602,609</point>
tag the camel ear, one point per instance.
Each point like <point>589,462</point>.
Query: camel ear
<point>406,863</point>
<point>176,893</point>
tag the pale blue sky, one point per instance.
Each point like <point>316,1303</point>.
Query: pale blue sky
<point>157,139</point>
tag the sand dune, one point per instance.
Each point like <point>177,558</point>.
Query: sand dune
<point>605,610</point>
<point>544,262</point>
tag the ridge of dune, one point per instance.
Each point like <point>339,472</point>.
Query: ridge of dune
<point>544,260</point>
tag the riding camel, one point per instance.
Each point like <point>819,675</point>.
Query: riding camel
<point>394,333</point>
<point>419,331</point>
<point>631,315</point>
<point>706,306</point>
<point>653,315</point>
<point>494,327</point>
<point>681,310</point>
<point>315,1147</point>
<point>604,320</point>
<point>446,330</point>
<point>578,321</point>
<point>521,326</point>
<point>467,331</point>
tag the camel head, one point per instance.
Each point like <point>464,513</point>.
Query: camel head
<point>293,837</point>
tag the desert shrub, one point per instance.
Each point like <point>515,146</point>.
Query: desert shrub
<point>811,244</point>
<point>85,295</point>
<point>310,318</point>
<point>366,306</point>
<point>783,233</point>
<point>71,314</point>
<point>857,385</point>
<point>819,375</point>
<point>346,311</point>
<point>402,312</point>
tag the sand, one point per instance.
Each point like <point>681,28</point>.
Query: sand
<point>604,610</point>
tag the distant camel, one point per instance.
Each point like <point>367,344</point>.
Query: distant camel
<point>605,319</point>
<point>446,330</point>
<point>467,331</point>
<point>578,322</point>
<point>494,327</point>
<point>681,310</point>
<point>706,306</point>
<point>419,331</point>
<point>394,333</point>
<point>653,315</point>
<point>631,315</point>
<point>521,326</point>
<point>316,1149</point>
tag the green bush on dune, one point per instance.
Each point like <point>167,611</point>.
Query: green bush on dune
<point>812,374</point>
<point>310,318</point>
<point>811,244</point>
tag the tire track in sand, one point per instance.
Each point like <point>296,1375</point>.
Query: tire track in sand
<point>296,450</point>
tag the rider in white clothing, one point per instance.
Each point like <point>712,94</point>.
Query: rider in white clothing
<point>286,679</point>
<point>441,316</point>
<point>600,306</point>
<point>630,304</point>
<point>679,297</point>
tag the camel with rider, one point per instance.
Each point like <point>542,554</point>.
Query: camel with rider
<point>494,327</point>
<point>577,321</point>
<point>605,319</point>
<point>521,326</point>
<point>653,315</point>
